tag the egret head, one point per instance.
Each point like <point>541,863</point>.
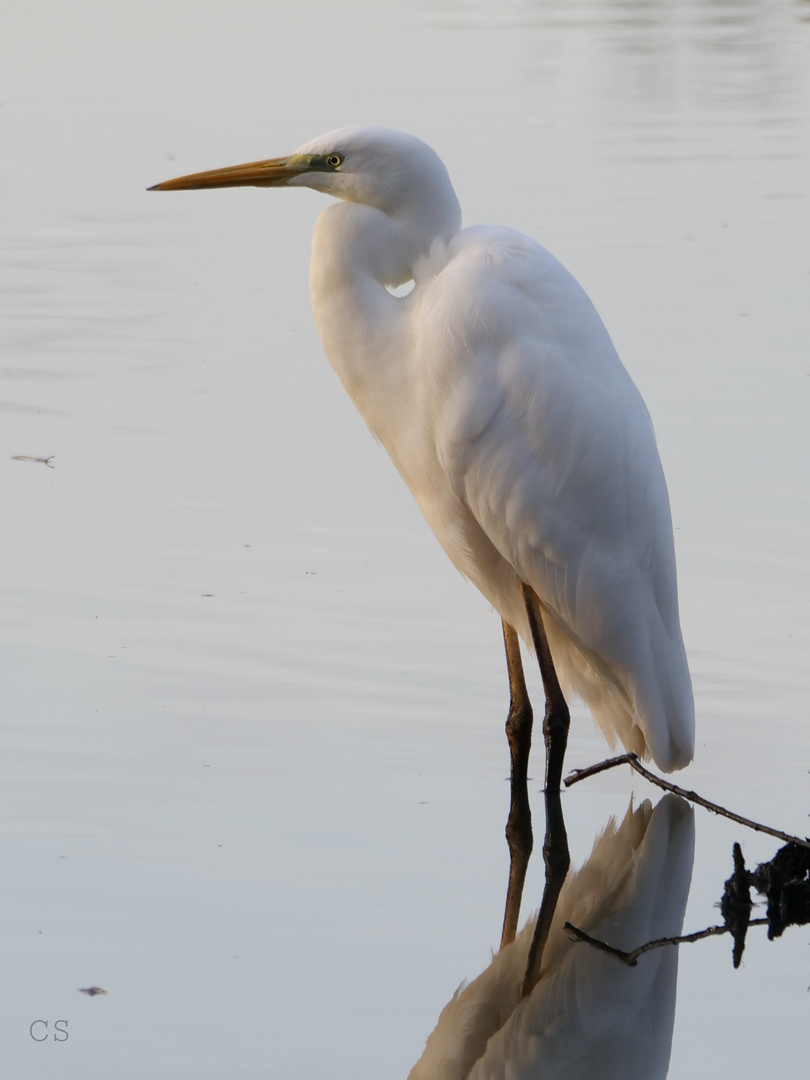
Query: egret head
<point>389,170</point>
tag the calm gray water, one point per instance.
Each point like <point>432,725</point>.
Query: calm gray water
<point>252,767</point>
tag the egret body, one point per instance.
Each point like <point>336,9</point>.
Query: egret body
<point>501,400</point>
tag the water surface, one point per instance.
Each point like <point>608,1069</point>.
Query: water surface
<point>253,769</point>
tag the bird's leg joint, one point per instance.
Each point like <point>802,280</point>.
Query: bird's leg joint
<point>519,720</point>
<point>519,724</point>
<point>556,720</point>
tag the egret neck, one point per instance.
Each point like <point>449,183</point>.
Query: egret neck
<point>358,251</point>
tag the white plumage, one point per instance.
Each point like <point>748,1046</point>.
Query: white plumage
<point>500,398</point>
<point>588,1015</point>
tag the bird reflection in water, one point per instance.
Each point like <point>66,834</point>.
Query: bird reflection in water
<point>584,1014</point>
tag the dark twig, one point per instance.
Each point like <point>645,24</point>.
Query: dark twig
<point>631,958</point>
<point>601,766</point>
<point>691,796</point>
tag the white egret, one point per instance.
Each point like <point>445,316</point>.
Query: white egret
<point>501,400</point>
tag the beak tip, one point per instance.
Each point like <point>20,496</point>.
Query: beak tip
<point>275,172</point>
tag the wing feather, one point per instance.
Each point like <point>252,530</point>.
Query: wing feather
<point>548,446</point>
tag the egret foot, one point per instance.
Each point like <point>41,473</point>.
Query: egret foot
<point>519,824</point>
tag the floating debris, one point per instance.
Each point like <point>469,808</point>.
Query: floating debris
<point>785,881</point>
<point>736,905</point>
<point>42,460</point>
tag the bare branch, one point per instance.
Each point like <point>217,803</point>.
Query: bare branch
<point>602,766</point>
<point>631,958</point>
<point>691,796</point>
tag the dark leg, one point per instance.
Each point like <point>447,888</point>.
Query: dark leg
<point>519,720</point>
<point>557,718</point>
<point>519,825</point>
<point>557,860</point>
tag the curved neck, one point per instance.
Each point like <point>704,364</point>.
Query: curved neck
<point>358,250</point>
<point>354,257</point>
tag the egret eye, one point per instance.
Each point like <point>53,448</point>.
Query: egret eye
<point>334,160</point>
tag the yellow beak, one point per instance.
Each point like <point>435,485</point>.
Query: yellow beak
<point>275,172</point>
